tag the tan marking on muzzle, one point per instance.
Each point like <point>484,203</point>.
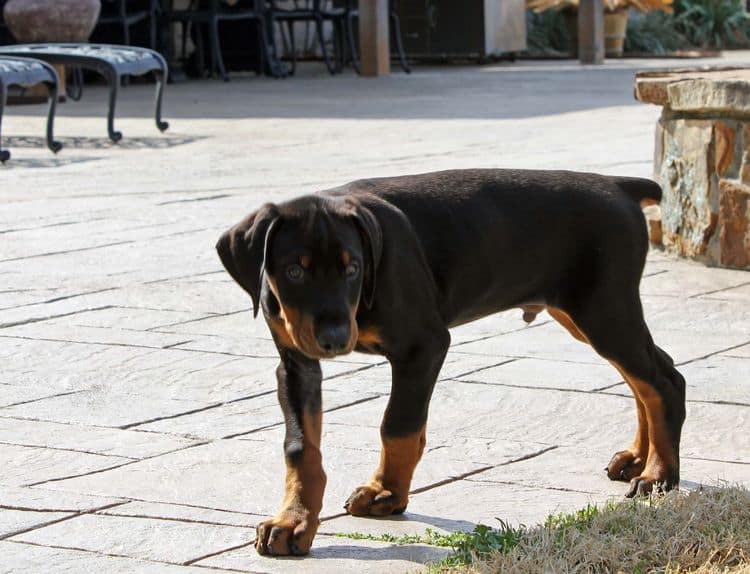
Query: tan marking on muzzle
<point>297,330</point>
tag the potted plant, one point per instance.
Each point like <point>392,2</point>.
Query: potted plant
<point>615,18</point>
<point>32,21</point>
<point>42,21</point>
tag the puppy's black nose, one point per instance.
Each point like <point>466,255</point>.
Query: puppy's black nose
<point>333,338</point>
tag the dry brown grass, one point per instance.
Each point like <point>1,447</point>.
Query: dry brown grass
<point>700,532</point>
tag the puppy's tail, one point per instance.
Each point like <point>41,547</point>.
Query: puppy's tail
<point>644,191</point>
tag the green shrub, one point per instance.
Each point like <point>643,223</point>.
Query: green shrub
<point>547,33</point>
<point>694,24</point>
<point>654,33</point>
<point>712,23</point>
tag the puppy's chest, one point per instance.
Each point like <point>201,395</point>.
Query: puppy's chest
<point>369,340</point>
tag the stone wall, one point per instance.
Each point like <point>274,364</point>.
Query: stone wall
<point>702,162</point>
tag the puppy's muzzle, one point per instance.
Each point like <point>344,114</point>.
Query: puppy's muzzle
<point>333,338</point>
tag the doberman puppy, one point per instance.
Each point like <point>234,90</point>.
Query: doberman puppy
<point>388,265</point>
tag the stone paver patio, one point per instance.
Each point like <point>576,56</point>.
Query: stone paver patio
<point>139,428</point>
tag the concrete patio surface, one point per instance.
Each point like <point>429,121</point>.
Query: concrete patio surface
<point>139,427</point>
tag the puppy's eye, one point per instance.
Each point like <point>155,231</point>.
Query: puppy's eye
<point>352,269</point>
<point>295,273</point>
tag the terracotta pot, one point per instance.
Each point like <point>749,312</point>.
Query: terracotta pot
<point>33,21</point>
<point>615,27</point>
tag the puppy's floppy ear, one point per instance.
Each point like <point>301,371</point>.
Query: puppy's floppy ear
<point>244,247</point>
<point>372,243</point>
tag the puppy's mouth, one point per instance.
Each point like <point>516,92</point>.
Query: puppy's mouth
<point>315,351</point>
<point>322,355</point>
<point>306,342</point>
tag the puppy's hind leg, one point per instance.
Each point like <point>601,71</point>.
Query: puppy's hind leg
<point>621,336</point>
<point>629,463</point>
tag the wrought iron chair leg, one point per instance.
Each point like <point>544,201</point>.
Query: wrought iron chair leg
<point>183,39</point>
<point>216,49</point>
<point>352,41</point>
<point>212,47</point>
<point>4,154</point>
<point>53,145</point>
<point>321,40</point>
<point>113,80</point>
<point>74,88</point>
<point>340,37</point>
<point>396,35</point>
<point>125,39</point>
<point>200,50</point>
<point>284,39</point>
<point>270,55</point>
<point>292,45</point>
<point>152,27</point>
<point>161,77</point>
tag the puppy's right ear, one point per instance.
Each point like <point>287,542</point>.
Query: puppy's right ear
<point>243,249</point>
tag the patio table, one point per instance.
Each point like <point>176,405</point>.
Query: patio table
<point>111,61</point>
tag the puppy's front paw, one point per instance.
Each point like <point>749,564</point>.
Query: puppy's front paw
<point>374,500</point>
<point>625,465</point>
<point>286,534</point>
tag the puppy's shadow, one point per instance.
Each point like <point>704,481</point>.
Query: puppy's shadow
<point>420,554</point>
<point>431,521</point>
<point>341,547</point>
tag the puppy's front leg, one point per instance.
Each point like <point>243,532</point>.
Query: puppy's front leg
<point>403,431</point>
<point>293,528</point>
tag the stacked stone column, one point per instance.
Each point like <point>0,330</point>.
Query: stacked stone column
<point>702,161</point>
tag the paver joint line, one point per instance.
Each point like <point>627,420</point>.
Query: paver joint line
<point>63,449</point>
<point>188,276</point>
<point>76,514</point>
<point>101,470</point>
<point>167,518</point>
<point>194,411</point>
<point>61,298</point>
<point>607,387</point>
<point>273,425</point>
<point>535,325</point>
<point>187,321</point>
<point>601,391</point>
<point>477,370</point>
<point>113,555</point>
<point>173,345</point>
<point>720,352</point>
<point>482,469</point>
<point>51,317</point>
<point>357,370</point>
<point>65,251</point>
<point>35,400</point>
<point>225,550</point>
<point>697,295</point>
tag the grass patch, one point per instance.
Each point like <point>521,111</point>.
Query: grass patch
<point>482,541</point>
<point>700,532</point>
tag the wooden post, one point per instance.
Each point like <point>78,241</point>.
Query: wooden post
<point>591,31</point>
<point>375,53</point>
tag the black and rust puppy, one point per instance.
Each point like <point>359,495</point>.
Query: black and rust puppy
<point>388,265</point>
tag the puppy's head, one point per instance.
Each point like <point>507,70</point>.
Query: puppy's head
<point>311,262</point>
